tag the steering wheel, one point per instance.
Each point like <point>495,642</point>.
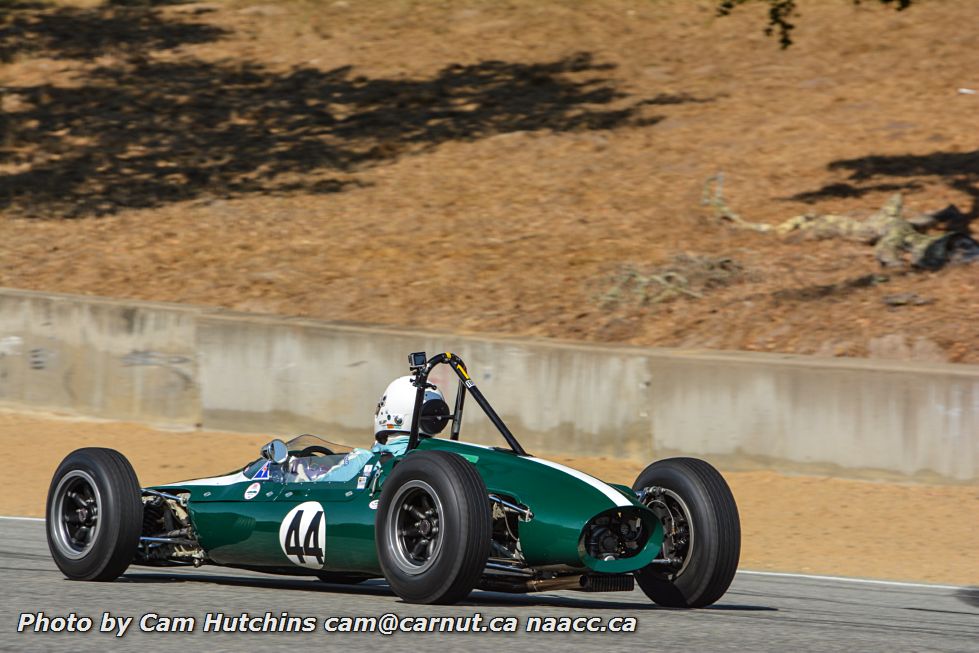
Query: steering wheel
<point>316,448</point>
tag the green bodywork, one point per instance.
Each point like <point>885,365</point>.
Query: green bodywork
<point>245,532</point>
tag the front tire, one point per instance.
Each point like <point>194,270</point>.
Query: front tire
<point>433,527</point>
<point>94,515</point>
<point>702,533</point>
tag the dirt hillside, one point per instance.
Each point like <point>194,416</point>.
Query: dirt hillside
<point>529,166</point>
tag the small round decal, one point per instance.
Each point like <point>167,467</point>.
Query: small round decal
<point>252,490</point>
<point>373,504</point>
<point>302,535</point>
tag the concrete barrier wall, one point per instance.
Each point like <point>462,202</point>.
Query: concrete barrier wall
<point>186,367</point>
<point>99,358</point>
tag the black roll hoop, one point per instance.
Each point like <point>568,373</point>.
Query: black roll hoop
<point>421,368</point>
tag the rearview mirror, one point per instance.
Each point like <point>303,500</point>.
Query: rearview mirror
<point>276,451</point>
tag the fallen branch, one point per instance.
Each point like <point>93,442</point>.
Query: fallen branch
<point>891,233</point>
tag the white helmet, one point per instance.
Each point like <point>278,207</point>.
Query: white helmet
<point>394,410</point>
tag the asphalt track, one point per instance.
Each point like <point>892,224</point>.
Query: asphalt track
<point>760,612</point>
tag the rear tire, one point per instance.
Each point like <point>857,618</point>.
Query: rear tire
<point>94,515</point>
<point>701,529</point>
<point>433,527</point>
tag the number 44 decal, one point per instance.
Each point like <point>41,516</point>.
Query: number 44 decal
<point>311,545</point>
<point>303,534</point>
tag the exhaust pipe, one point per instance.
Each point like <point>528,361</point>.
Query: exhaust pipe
<point>584,583</point>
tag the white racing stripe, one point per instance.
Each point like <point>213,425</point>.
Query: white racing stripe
<point>847,579</point>
<point>614,495</point>
<point>230,479</point>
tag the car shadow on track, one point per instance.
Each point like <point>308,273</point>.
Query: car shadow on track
<point>271,582</point>
<point>566,601</point>
<point>969,596</point>
<point>380,588</point>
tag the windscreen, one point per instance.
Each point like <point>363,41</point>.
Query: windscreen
<point>300,442</point>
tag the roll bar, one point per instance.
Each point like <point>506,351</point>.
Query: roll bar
<point>421,368</point>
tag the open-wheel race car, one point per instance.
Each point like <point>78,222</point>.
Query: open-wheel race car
<point>434,516</point>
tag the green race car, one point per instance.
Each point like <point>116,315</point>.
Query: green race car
<point>434,516</point>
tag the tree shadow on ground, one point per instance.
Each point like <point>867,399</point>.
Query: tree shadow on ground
<point>150,132</point>
<point>958,170</point>
<point>140,132</point>
<point>36,28</point>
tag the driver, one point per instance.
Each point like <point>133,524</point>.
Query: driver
<point>392,419</point>
<point>392,428</point>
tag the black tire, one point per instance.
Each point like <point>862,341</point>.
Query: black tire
<point>94,515</point>
<point>713,544</point>
<point>339,578</point>
<point>450,494</point>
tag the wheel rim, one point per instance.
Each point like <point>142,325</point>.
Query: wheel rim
<point>414,526</point>
<point>76,507</point>
<point>678,531</point>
